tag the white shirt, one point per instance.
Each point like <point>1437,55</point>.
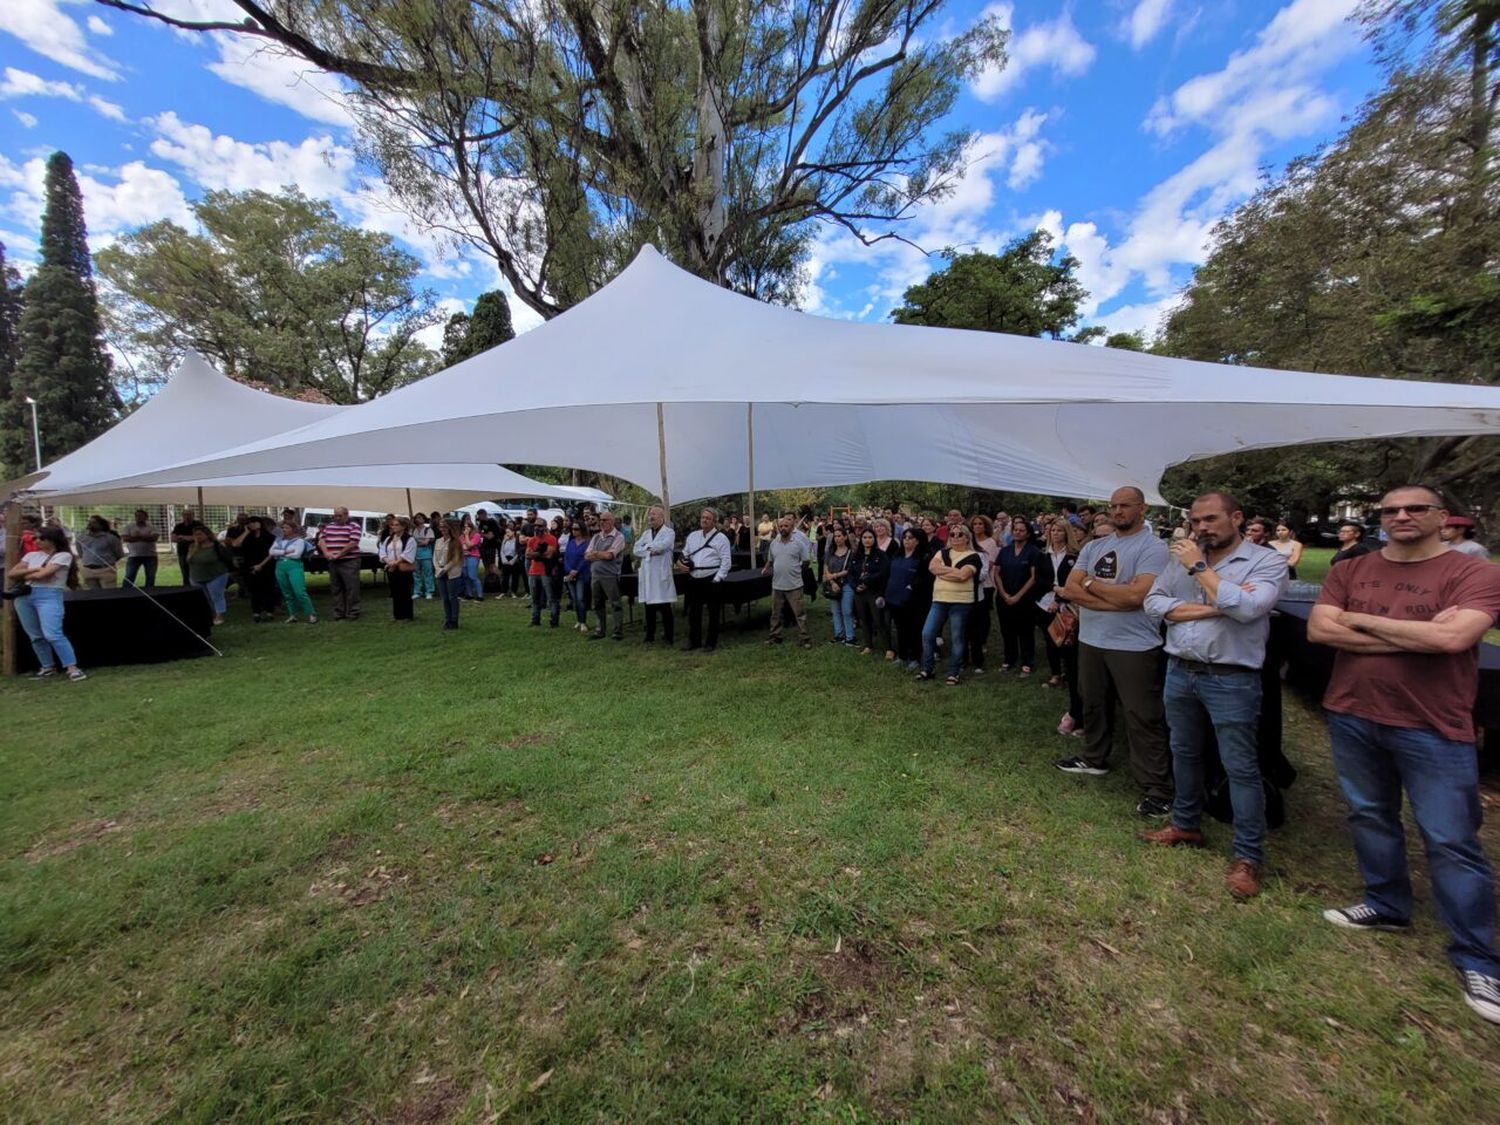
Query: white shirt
<point>393,551</point>
<point>709,556</point>
<point>58,578</point>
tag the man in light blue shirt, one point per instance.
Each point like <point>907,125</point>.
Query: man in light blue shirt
<point>1216,598</point>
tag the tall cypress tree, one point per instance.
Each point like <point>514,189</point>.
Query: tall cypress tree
<point>10,323</point>
<point>62,363</point>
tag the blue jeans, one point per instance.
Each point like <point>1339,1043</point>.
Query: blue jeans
<point>578,590</point>
<point>451,590</point>
<point>133,566</point>
<point>41,614</point>
<point>843,614</point>
<point>938,616</point>
<point>541,589</point>
<point>1441,778</point>
<point>1226,708</point>
<point>471,577</point>
<point>213,589</point>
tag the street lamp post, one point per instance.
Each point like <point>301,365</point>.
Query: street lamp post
<point>36,433</point>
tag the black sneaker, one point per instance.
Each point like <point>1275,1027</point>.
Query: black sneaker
<point>1154,806</point>
<point>1081,766</point>
<point>1482,993</point>
<point>1364,917</point>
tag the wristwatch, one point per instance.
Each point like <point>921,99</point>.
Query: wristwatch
<point>1198,567</point>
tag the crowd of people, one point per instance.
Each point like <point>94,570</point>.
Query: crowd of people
<point>1164,633</point>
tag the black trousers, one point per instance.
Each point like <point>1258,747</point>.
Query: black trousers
<point>1018,632</point>
<point>664,611</point>
<point>909,621</point>
<point>874,622</point>
<point>401,583</point>
<point>1135,679</point>
<point>263,595</point>
<point>701,596</point>
<point>978,633</point>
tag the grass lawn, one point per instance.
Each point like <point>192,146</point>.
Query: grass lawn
<point>378,872</point>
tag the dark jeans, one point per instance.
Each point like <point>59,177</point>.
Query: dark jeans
<point>1135,678</point>
<point>1441,778</point>
<point>700,596</point>
<point>664,611</point>
<point>1201,708</point>
<point>541,587</point>
<point>136,563</point>
<point>873,621</point>
<point>578,590</point>
<point>606,589</point>
<point>401,583</point>
<point>1018,632</point>
<point>451,590</point>
<point>938,616</point>
<point>343,584</point>
<point>512,578</point>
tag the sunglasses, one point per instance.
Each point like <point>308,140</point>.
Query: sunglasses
<point>1409,509</point>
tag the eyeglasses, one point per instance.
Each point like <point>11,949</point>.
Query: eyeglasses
<point>1409,509</point>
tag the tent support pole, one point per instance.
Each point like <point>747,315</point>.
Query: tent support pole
<point>750,457</point>
<point>200,505</point>
<point>661,452</point>
<point>409,512</point>
<point>8,638</point>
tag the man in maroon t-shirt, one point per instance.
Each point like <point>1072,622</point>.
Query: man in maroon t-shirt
<point>1407,622</point>
<point>541,549</point>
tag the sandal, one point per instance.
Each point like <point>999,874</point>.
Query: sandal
<point>924,675</point>
<point>952,681</point>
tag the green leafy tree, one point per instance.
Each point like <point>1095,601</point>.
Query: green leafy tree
<point>559,136</point>
<point>276,290</point>
<point>1126,341</point>
<point>62,362</point>
<point>1375,256</point>
<point>466,335</point>
<point>1026,290</point>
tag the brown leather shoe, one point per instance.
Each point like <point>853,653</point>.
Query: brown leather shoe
<point>1172,836</point>
<point>1243,879</point>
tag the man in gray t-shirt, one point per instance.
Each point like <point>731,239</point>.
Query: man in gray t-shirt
<point>786,555</point>
<point>1119,651</point>
<point>605,552</point>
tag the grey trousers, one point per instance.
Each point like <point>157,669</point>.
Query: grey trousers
<point>343,584</point>
<point>607,589</point>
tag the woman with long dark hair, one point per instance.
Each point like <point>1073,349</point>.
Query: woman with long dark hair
<point>908,596</point>
<point>979,619</point>
<point>837,588</point>
<point>48,570</point>
<point>869,569</point>
<point>255,552</point>
<point>398,554</point>
<point>1017,594</point>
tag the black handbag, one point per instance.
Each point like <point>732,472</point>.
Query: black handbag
<point>19,590</point>
<point>809,581</point>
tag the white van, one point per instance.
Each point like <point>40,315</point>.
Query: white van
<point>370,526</point>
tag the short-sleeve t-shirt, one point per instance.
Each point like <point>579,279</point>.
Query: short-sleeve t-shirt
<point>58,578</point>
<point>1119,559</point>
<point>538,544</point>
<point>787,557</point>
<point>1416,690</point>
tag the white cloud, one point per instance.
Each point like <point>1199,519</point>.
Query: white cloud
<point>124,198</point>
<point>24,84</point>
<point>1146,19</point>
<point>27,120</point>
<point>318,165</point>
<point>99,27</point>
<point>1145,318</point>
<point>283,79</point>
<point>1266,94</point>
<point>1054,45</point>
<point>46,29</point>
<point>1302,40</point>
<point>108,109</point>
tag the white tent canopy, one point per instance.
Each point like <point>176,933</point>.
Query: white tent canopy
<point>201,410</point>
<point>660,378</point>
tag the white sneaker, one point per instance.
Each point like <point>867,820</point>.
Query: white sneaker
<point>1482,993</point>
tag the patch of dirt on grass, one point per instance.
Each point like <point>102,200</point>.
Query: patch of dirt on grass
<point>851,981</point>
<point>536,738</point>
<point>75,837</point>
<point>436,1100</point>
<point>378,883</point>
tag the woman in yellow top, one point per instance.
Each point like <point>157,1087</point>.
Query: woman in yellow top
<point>955,589</point>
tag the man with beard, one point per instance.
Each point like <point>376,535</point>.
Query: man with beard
<point>785,558</point>
<point>1216,598</point>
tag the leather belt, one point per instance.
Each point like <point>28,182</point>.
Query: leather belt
<point>1208,668</point>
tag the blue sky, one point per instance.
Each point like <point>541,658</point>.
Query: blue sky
<point>1125,127</point>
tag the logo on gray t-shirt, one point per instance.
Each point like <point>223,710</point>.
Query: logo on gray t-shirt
<point>1118,559</point>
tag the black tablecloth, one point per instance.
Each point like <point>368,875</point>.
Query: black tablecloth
<point>740,587</point>
<point>124,627</point>
<point>1310,665</point>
